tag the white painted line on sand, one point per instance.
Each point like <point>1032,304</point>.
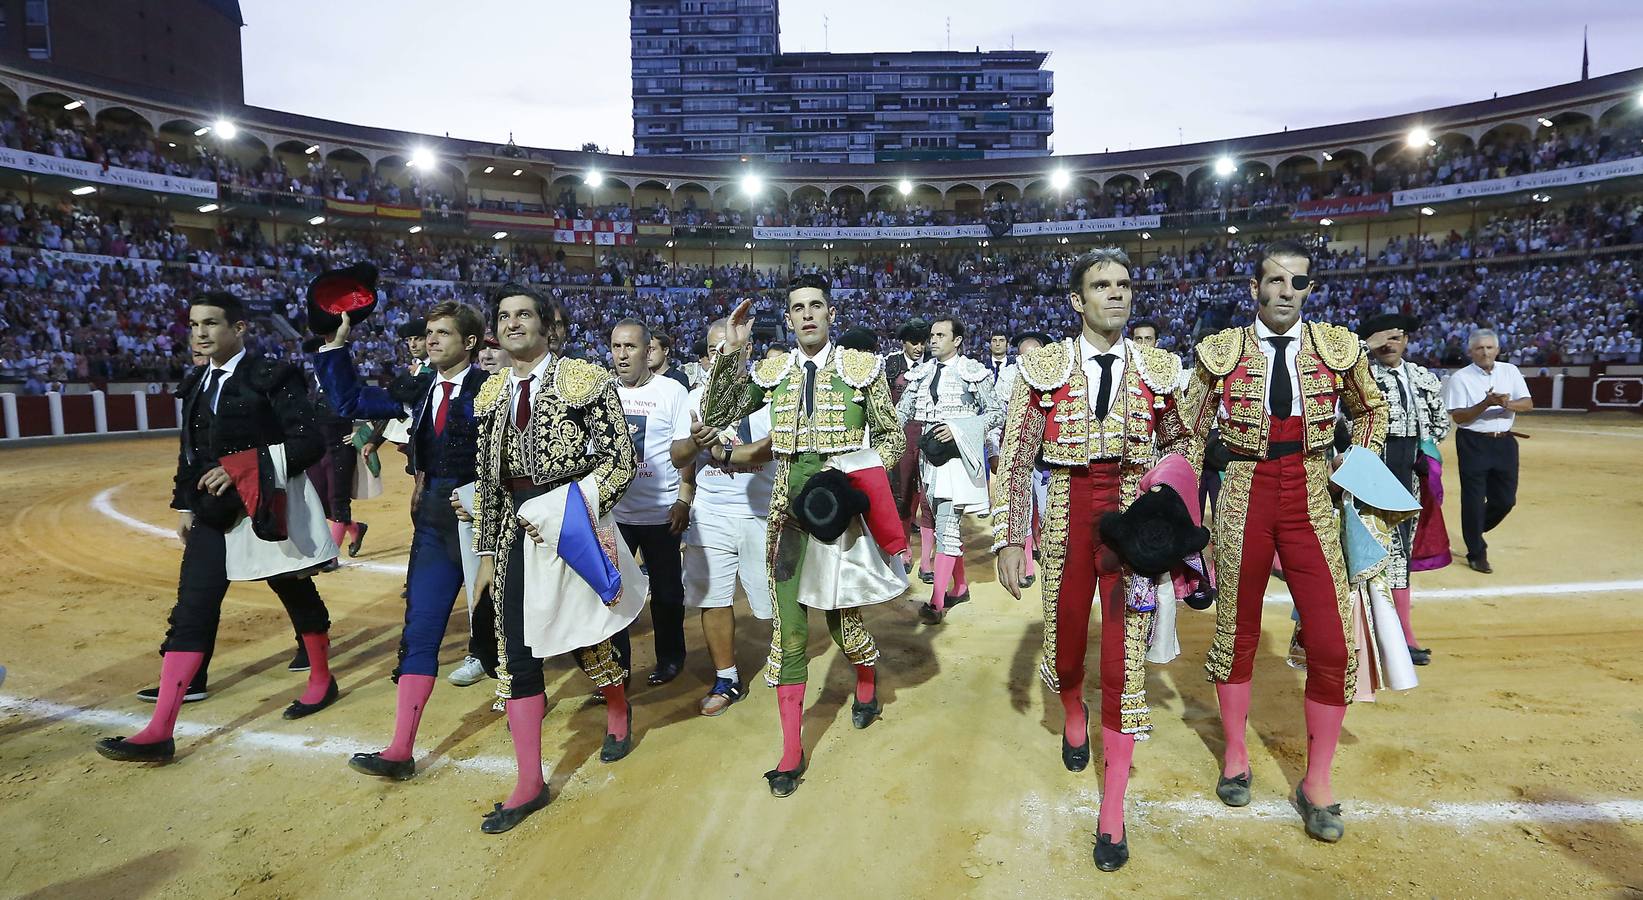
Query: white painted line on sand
<point>1082,804</point>
<point>1634,433</point>
<point>104,504</point>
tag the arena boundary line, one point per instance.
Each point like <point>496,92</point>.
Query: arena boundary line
<point>1082,803</point>
<point>103,503</point>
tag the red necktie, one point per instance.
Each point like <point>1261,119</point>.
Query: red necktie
<point>522,405</point>
<point>444,406</point>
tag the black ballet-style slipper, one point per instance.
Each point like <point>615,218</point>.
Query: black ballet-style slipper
<point>1322,822</point>
<point>1110,856</point>
<point>1077,759</point>
<point>1233,791</point>
<point>374,764</point>
<point>614,749</point>
<point>125,751</point>
<point>299,709</point>
<point>501,819</point>
<point>784,782</point>
<point>863,714</point>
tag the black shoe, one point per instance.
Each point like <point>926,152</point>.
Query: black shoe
<point>614,749</point>
<point>863,714</point>
<point>1028,581</point>
<point>374,764</point>
<point>358,541</point>
<point>1110,857</point>
<point>194,694</point>
<point>125,751</point>
<point>1077,759</point>
<point>1233,791</point>
<point>929,615</point>
<point>1420,656</point>
<point>1322,822</point>
<point>299,662</point>
<point>597,698</point>
<point>664,673</point>
<point>499,819</point>
<point>961,598</point>
<point>1481,564</point>
<point>784,783</point>
<point>927,577</point>
<point>298,709</point>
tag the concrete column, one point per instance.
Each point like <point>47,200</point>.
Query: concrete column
<point>1557,391</point>
<point>141,399</point>
<point>54,403</point>
<point>99,412</point>
<point>8,409</point>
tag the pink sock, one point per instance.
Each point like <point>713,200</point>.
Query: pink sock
<point>1077,729</point>
<point>790,709</point>
<point>1234,702</point>
<point>1400,599</point>
<point>318,645</point>
<point>1032,567</point>
<point>926,548</point>
<point>1117,749</point>
<point>944,577</point>
<point>338,532</point>
<point>865,682</point>
<point>617,715</point>
<point>414,691</point>
<point>525,726</point>
<point>176,671</point>
<point>960,582</point>
<point>1323,734</point>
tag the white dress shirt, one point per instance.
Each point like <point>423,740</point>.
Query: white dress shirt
<point>1291,354</point>
<point>539,374</point>
<point>431,404</point>
<point>227,370</point>
<point>1468,386</point>
<point>1087,354</point>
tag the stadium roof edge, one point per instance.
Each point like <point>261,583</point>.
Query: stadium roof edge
<point>379,142</point>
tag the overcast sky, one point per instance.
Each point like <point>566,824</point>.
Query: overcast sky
<point>555,73</point>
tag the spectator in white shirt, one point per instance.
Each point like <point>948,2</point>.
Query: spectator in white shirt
<point>1484,398</point>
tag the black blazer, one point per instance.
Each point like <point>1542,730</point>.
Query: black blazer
<point>264,403</point>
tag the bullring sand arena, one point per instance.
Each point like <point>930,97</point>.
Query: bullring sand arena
<point>1512,770</point>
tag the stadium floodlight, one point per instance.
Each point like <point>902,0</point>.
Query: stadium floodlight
<point>416,229</point>
<point>594,178</point>
<point>171,144</point>
<point>317,220</point>
<point>226,130</point>
<point>1419,137</point>
<point>73,105</point>
<point>1329,157</point>
<point>752,184</point>
<point>490,169</point>
<point>1640,98</point>
<point>1326,222</point>
<point>518,172</point>
<point>1225,166</point>
<point>422,158</point>
<point>209,207</point>
<point>905,186</point>
<point>669,244</point>
<point>83,190</point>
<point>499,235</point>
<point>1059,179</point>
<point>748,246</point>
<point>313,150</point>
<point>1232,229</point>
<point>1146,235</point>
<point>200,131</point>
<point>1546,123</point>
<point>1428,211</point>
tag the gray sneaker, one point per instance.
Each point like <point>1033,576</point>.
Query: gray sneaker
<point>472,671</point>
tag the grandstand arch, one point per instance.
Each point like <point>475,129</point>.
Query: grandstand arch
<point>122,116</point>
<point>1507,131</point>
<point>1612,111</point>
<point>350,162</point>
<point>1121,182</point>
<point>693,193</point>
<point>1167,181</point>
<point>49,104</point>
<point>847,193</point>
<point>1009,191</point>
<point>1566,122</point>
<point>651,192</point>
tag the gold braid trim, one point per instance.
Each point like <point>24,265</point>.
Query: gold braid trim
<point>490,394</point>
<point>857,642</point>
<point>769,372</point>
<point>1326,523</point>
<point>1134,715</point>
<point>1338,347</point>
<point>1160,369</point>
<point>1230,514</point>
<point>773,531</point>
<point>1048,367</point>
<point>579,383</point>
<point>1219,352</point>
<point>1053,546</point>
<point>858,368</point>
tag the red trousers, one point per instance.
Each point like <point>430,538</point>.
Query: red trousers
<point>1087,566</point>
<point>1278,521</point>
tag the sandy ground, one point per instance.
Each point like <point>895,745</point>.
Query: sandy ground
<point>1512,770</point>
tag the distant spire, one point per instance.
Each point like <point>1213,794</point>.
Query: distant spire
<point>1585,55</point>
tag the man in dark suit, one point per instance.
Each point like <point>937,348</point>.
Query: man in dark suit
<point>246,513</point>
<point>443,438</point>
<point>904,480</point>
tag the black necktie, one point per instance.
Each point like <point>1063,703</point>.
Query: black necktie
<point>1103,401</point>
<point>935,383</point>
<point>1283,387</point>
<point>1403,392</point>
<point>209,395</point>
<point>809,388</point>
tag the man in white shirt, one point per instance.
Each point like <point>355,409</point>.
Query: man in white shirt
<point>732,472</point>
<point>998,358</point>
<point>652,515</point>
<point>1484,398</point>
